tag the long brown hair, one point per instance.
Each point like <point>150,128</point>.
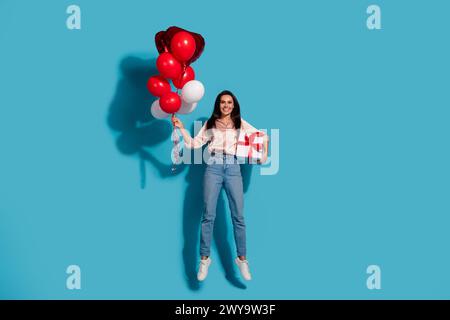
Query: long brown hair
<point>235,114</point>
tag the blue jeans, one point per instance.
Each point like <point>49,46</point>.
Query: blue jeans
<point>227,175</point>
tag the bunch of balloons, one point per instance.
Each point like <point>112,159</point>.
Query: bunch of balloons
<point>178,48</point>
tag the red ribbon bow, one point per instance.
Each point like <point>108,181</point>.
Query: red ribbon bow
<point>250,141</point>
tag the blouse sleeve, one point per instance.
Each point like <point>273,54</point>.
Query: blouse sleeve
<point>249,129</point>
<point>199,140</point>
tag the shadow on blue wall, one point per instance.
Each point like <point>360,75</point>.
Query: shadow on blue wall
<point>129,116</point>
<point>129,112</point>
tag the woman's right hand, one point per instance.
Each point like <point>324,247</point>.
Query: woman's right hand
<point>177,122</point>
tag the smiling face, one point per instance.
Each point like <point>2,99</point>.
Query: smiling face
<point>226,104</point>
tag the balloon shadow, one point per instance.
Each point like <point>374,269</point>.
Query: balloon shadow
<point>129,113</point>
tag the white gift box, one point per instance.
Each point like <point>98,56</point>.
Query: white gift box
<point>250,146</point>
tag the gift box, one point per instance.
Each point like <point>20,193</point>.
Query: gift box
<point>250,146</point>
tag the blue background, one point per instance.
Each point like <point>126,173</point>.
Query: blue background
<point>364,175</point>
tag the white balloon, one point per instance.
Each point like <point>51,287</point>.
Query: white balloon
<point>157,112</point>
<point>193,106</point>
<point>192,91</point>
<point>187,107</point>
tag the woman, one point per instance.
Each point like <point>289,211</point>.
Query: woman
<point>221,131</point>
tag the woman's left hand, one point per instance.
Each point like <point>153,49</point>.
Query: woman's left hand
<point>263,159</point>
<point>265,151</point>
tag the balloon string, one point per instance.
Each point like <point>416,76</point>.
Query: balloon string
<point>176,148</point>
<point>175,137</point>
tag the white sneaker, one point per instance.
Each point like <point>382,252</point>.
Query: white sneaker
<point>243,267</point>
<point>203,269</point>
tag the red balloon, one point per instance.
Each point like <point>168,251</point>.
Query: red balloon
<point>158,86</point>
<point>168,66</point>
<point>164,38</point>
<point>170,102</point>
<point>187,76</point>
<point>182,46</point>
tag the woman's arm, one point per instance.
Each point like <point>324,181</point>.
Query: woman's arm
<point>266,148</point>
<point>251,129</point>
<point>192,143</point>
